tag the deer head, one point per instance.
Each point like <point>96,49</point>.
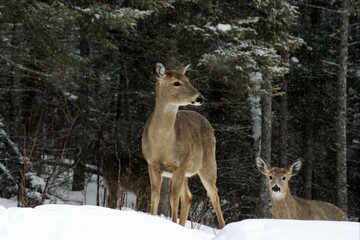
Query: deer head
<point>287,206</point>
<point>278,178</point>
<point>173,88</point>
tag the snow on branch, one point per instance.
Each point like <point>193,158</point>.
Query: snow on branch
<point>123,18</point>
<point>8,142</point>
<point>6,171</point>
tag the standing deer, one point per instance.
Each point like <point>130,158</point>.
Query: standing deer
<point>179,144</point>
<point>287,206</point>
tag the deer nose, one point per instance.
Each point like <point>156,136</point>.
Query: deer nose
<point>276,188</point>
<point>200,99</point>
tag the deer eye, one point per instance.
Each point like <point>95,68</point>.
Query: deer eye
<point>283,178</point>
<point>270,177</point>
<point>177,84</point>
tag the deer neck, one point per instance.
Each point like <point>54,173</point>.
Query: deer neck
<point>284,207</point>
<point>164,117</point>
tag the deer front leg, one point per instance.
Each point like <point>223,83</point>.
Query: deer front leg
<point>155,182</point>
<point>176,187</point>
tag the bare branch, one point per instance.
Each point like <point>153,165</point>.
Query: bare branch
<point>321,7</point>
<point>353,43</point>
<point>330,63</point>
<point>330,73</point>
<point>21,67</point>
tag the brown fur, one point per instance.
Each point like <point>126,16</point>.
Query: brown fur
<point>133,178</point>
<point>287,206</point>
<point>180,144</point>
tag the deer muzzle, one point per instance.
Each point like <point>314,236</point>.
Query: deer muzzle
<point>276,188</point>
<point>199,100</point>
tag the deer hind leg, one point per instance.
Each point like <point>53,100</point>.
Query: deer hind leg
<point>209,181</point>
<point>155,182</point>
<point>185,197</point>
<point>112,192</point>
<point>143,195</point>
<point>141,202</point>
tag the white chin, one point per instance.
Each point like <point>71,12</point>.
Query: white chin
<point>277,195</point>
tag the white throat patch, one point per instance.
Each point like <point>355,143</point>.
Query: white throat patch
<point>278,195</point>
<point>171,108</point>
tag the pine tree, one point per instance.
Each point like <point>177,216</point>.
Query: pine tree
<point>52,78</point>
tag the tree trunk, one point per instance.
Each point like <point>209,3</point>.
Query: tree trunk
<point>123,111</point>
<point>309,153</point>
<point>255,105</point>
<point>80,164</point>
<point>283,123</point>
<point>309,141</point>
<point>266,147</point>
<point>78,183</point>
<point>341,101</point>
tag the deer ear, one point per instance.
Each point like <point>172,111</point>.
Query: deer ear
<point>295,168</point>
<point>186,68</point>
<point>159,70</point>
<point>262,165</point>
<point>182,69</point>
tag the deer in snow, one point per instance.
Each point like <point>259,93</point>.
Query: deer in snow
<point>287,206</point>
<point>132,177</point>
<point>179,144</point>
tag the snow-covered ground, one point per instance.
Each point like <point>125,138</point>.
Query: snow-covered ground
<point>271,229</point>
<point>65,222</point>
<point>70,222</point>
<point>88,222</point>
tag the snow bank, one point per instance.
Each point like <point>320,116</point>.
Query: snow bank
<point>66,222</point>
<point>271,229</point>
<point>69,222</point>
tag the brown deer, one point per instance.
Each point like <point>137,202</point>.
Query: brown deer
<point>287,206</point>
<point>133,178</point>
<point>179,144</point>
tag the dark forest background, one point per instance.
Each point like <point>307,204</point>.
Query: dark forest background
<point>76,89</point>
